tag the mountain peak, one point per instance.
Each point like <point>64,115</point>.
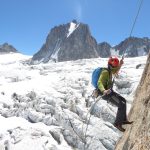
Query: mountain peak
<point>74,21</point>
<point>66,42</point>
<point>6,48</point>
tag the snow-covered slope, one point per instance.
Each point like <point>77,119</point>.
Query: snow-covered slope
<point>45,107</point>
<point>73,26</point>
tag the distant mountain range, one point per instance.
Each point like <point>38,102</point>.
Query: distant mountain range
<point>74,41</point>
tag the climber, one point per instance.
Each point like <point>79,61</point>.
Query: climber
<point>105,88</point>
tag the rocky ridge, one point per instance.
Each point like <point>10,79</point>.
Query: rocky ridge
<point>73,41</point>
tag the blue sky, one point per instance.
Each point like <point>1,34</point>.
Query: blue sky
<point>25,24</point>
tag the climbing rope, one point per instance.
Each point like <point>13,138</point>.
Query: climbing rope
<point>88,120</point>
<point>134,22</point>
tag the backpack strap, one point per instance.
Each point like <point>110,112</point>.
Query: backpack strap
<point>113,80</point>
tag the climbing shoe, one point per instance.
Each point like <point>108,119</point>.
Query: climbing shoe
<point>127,122</point>
<point>119,127</point>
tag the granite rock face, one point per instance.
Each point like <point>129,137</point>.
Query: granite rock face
<point>137,136</point>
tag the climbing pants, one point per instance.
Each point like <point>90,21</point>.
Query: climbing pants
<point>120,102</point>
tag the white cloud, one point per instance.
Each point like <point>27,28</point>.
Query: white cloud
<point>78,11</point>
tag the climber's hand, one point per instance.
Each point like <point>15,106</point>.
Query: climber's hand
<point>106,92</point>
<point>121,62</point>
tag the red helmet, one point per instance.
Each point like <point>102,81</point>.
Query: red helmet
<point>113,61</point>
